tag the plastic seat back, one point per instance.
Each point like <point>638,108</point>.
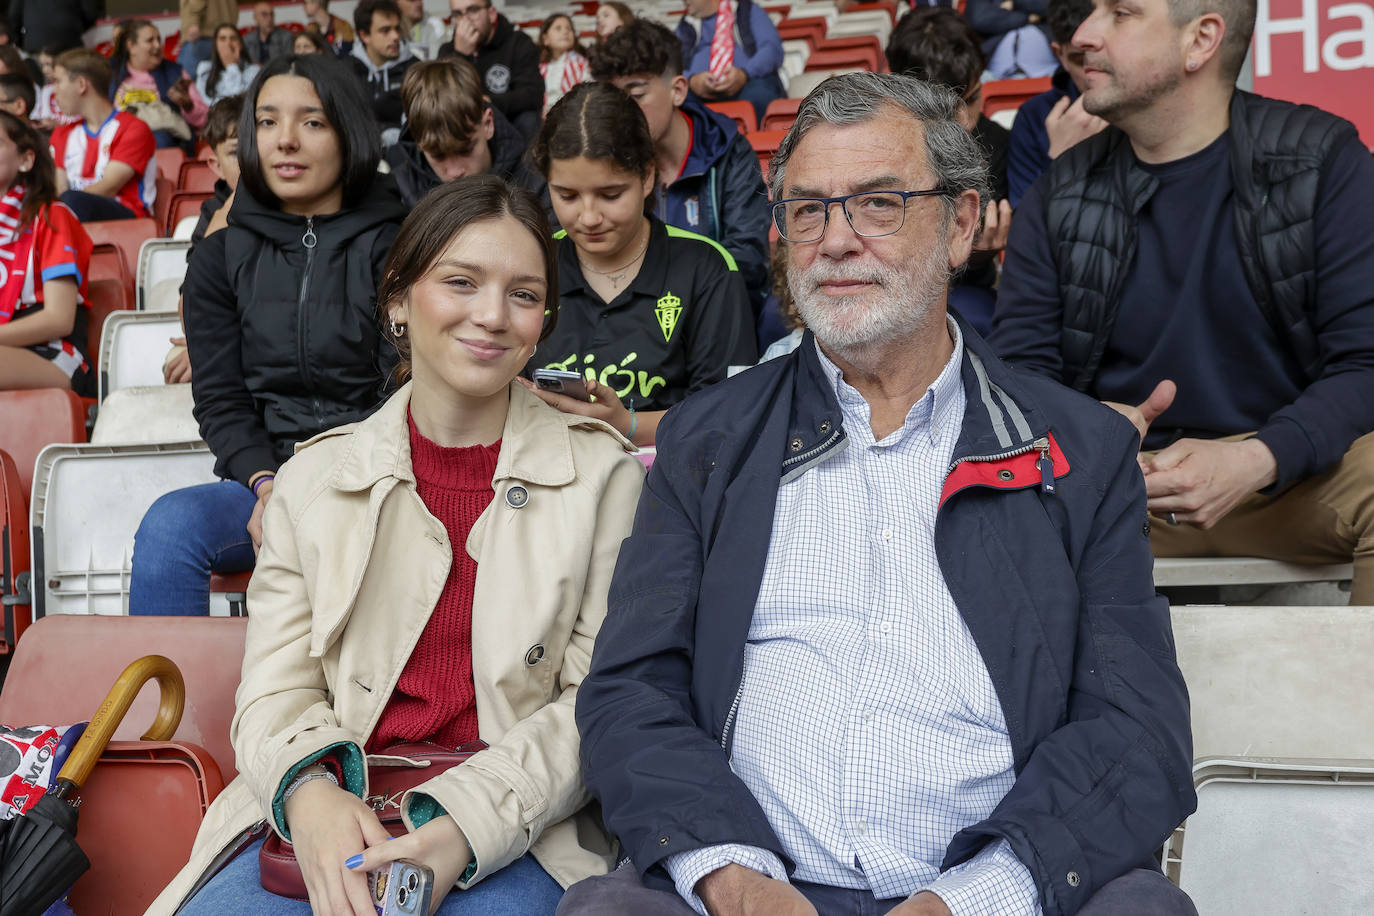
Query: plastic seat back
<point>105,297</point>
<point>166,187</point>
<point>863,57</point>
<point>185,204</point>
<point>765,143</point>
<point>196,175</point>
<point>126,235</point>
<point>999,95</point>
<point>132,348</point>
<point>781,114</point>
<point>159,261</point>
<point>14,552</point>
<point>169,162</point>
<point>145,415</point>
<point>742,113</point>
<point>32,419</point>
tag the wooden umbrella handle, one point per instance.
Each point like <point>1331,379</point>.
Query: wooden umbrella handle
<point>103,724</point>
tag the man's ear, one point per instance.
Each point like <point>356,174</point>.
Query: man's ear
<point>963,227</point>
<point>213,162</point>
<point>678,89</point>
<point>488,123</point>
<point>1203,41</point>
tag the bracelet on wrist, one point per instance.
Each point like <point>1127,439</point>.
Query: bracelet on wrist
<point>260,481</point>
<point>634,423</point>
<point>303,779</point>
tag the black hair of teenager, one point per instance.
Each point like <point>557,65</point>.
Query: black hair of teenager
<point>346,110</point>
<point>365,10</point>
<point>17,85</point>
<point>1065,16</point>
<point>936,44</point>
<point>640,47</point>
<point>596,121</point>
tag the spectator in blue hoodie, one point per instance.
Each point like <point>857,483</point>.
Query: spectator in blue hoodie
<point>1047,125</point>
<point>709,177</point>
<point>753,75</point>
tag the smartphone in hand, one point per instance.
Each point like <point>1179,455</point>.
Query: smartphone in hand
<point>402,888</point>
<point>560,381</point>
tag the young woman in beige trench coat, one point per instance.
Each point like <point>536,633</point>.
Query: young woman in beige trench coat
<point>353,563</point>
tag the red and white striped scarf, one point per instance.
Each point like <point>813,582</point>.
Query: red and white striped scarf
<point>575,70</point>
<point>15,246</point>
<point>723,41</point>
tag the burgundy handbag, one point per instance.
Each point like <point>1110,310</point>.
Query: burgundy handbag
<point>387,782</point>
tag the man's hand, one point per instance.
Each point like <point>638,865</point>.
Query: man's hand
<point>255,520</point>
<point>732,82</point>
<point>738,891</point>
<point>180,93</point>
<point>1068,125</point>
<point>328,825</point>
<point>923,904</point>
<point>992,238</point>
<point>1145,413</point>
<point>1200,480</point>
<point>702,85</point>
<point>465,36</point>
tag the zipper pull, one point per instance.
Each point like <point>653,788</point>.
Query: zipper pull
<point>1045,464</point>
<point>308,240</point>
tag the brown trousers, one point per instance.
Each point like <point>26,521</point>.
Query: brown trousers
<point>1328,518</point>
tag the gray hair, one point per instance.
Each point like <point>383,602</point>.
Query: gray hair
<point>957,160</point>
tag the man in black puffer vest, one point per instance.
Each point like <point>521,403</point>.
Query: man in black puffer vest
<point>1202,266</point>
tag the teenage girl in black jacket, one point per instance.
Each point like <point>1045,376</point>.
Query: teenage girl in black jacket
<point>279,310</point>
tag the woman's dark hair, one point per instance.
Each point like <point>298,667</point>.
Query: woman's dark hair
<point>316,39</point>
<point>348,112</point>
<point>440,215</point>
<point>40,184</point>
<point>598,121</point>
<point>125,33</point>
<point>545,55</point>
<point>217,65</point>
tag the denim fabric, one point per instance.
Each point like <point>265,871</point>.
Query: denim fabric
<point>522,888</point>
<point>184,536</point>
<point>91,208</point>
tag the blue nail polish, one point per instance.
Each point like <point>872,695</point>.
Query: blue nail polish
<point>354,862</point>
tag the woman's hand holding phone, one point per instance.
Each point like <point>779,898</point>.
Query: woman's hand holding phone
<point>605,404</point>
<point>328,826</point>
<point>438,844</point>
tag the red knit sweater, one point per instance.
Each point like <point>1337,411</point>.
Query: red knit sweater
<point>434,699</point>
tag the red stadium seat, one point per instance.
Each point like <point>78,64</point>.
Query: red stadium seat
<point>741,112</point>
<point>765,143</point>
<point>33,418</point>
<point>999,95</point>
<point>872,47</point>
<point>14,551</point>
<point>126,235</point>
<point>196,176</point>
<point>184,204</point>
<point>886,5</point>
<point>106,296</point>
<point>169,162</point>
<point>780,114</point>
<point>171,45</point>
<point>827,58</point>
<point>810,29</point>
<point>295,28</point>
<point>234,586</point>
<point>163,203</point>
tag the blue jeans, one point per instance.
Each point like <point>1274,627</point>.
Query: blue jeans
<point>92,208</point>
<point>184,536</point>
<point>191,53</point>
<point>522,888</point>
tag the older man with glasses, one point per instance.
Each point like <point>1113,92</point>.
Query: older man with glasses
<point>505,57</point>
<point>884,638</point>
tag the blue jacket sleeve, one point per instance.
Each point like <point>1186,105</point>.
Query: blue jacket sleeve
<point>767,56</point>
<point>1029,313</point>
<point>989,19</point>
<point>1102,792</point>
<point>1310,435</point>
<point>1029,152</point>
<point>696,56</point>
<point>654,768</point>
<point>745,218</point>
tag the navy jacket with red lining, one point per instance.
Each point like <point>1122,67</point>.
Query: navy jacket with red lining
<point>1053,576</point>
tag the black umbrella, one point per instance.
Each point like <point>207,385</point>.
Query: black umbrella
<point>41,857</point>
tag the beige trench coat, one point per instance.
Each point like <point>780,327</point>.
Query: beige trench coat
<point>351,567</point>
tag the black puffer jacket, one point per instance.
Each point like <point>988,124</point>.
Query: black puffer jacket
<point>415,178</point>
<point>283,336</point>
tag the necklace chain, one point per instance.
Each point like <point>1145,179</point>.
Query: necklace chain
<point>615,275</point>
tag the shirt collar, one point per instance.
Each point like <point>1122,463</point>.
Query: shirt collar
<point>649,281</point>
<point>932,413</point>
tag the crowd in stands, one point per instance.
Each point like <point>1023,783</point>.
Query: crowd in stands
<point>1138,321</point>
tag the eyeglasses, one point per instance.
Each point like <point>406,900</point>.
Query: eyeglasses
<point>871,214</point>
<point>471,12</point>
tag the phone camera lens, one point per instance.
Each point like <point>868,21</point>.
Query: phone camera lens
<point>402,895</point>
<point>412,881</point>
